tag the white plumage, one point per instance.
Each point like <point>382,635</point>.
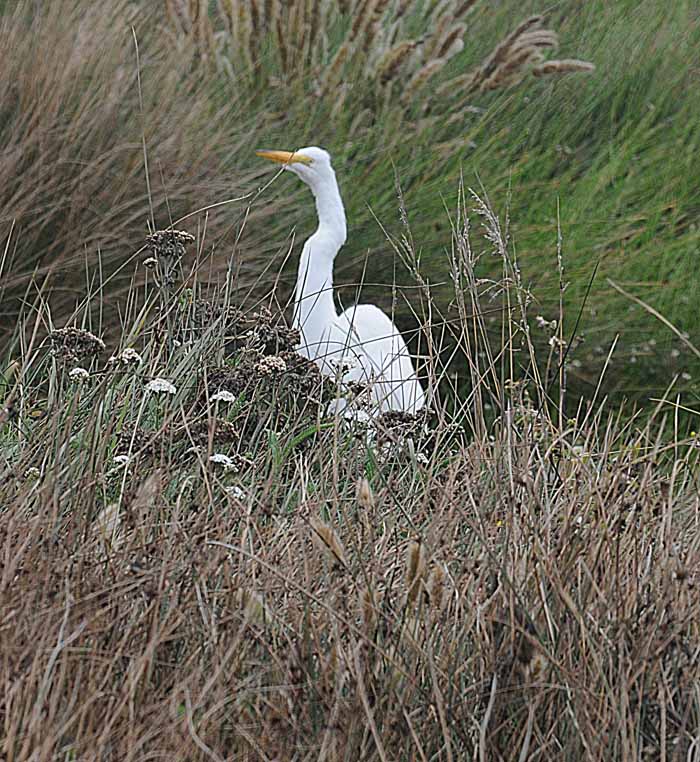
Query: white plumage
<point>362,340</point>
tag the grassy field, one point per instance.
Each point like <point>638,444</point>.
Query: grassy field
<point>610,157</point>
<point>198,561</point>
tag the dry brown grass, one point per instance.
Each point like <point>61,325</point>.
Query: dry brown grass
<point>334,50</point>
<point>506,585</point>
<point>75,201</point>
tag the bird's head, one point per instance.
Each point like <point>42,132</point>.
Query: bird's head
<point>312,164</point>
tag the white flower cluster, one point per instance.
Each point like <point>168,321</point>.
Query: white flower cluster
<point>270,365</point>
<point>223,396</point>
<point>219,459</point>
<point>130,357</point>
<point>161,386</point>
<point>78,375</point>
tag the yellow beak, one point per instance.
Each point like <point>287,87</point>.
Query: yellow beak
<point>285,157</point>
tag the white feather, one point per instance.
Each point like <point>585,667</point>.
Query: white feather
<point>362,338</point>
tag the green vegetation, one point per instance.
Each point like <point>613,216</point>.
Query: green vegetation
<point>199,561</point>
<point>614,151</point>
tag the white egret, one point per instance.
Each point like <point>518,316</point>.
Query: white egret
<point>362,340</point>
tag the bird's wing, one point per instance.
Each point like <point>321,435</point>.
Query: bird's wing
<point>385,357</point>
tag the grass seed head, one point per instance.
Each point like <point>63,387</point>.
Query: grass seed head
<point>393,60</point>
<point>436,586</point>
<point>415,569</point>
<point>564,66</point>
<point>365,497</point>
<point>329,541</point>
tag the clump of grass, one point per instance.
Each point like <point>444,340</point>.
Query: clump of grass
<point>523,585</point>
<point>361,56</point>
<point>75,206</point>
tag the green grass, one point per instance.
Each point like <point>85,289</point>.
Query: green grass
<point>613,156</point>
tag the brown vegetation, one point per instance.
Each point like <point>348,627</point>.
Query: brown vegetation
<point>196,569</point>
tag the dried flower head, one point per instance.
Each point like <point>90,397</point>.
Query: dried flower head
<point>74,344</point>
<point>168,244</point>
<point>161,386</point>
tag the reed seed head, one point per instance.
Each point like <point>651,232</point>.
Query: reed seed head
<point>415,569</point>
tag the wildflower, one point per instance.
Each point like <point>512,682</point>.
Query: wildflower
<point>130,357</point>
<point>223,396</point>
<point>79,375</point>
<point>236,492</point>
<point>556,343</point>
<point>161,386</point>
<point>220,459</point>
<point>32,473</point>
<point>121,460</point>
<point>271,365</point>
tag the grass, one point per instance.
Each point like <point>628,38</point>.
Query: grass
<point>587,152</point>
<point>200,563</point>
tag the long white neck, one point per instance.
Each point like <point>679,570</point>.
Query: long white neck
<point>314,308</point>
